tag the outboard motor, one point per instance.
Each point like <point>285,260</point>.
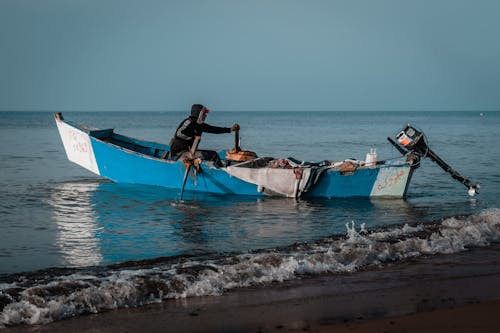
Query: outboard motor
<point>411,140</point>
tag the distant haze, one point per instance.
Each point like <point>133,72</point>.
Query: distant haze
<point>250,55</point>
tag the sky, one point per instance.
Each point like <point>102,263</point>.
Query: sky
<point>259,55</point>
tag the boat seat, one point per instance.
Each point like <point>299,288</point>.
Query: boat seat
<point>102,134</point>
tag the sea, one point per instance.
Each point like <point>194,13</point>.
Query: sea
<point>73,243</point>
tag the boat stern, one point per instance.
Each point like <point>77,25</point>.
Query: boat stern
<point>392,182</point>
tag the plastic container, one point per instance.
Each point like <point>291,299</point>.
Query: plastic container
<point>371,158</point>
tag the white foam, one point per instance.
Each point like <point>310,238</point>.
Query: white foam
<point>75,294</point>
<point>405,230</point>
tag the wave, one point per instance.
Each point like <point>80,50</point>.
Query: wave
<point>44,296</point>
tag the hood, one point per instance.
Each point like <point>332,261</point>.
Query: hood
<point>195,110</point>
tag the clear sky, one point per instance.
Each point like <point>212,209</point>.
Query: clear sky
<point>250,55</point>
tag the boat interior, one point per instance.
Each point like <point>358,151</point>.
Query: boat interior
<point>149,148</point>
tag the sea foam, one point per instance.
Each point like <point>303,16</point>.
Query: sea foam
<point>54,295</point>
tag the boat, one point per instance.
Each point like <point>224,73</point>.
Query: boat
<point>124,159</point>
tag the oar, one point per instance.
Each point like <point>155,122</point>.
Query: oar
<point>188,168</point>
<point>237,141</point>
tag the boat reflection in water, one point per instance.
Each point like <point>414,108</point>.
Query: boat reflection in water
<point>77,229</point>
<point>100,223</point>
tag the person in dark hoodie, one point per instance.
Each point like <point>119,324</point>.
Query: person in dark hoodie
<point>192,126</point>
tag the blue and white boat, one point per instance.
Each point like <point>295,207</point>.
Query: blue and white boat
<point>128,160</point>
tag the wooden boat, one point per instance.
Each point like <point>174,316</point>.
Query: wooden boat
<point>127,160</point>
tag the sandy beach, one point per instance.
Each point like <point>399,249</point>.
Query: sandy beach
<point>443,293</point>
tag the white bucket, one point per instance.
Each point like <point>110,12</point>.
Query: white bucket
<point>371,158</point>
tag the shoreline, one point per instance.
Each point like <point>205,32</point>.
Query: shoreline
<point>440,293</point>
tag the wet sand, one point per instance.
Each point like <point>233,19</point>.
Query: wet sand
<point>442,293</point>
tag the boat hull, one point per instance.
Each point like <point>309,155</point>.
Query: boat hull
<point>125,164</point>
<point>383,182</point>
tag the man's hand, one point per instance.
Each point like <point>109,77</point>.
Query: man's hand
<point>235,127</point>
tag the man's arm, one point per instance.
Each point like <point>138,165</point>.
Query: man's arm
<point>214,129</point>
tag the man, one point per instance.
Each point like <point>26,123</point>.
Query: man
<point>192,126</point>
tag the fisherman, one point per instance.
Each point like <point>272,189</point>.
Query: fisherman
<point>192,126</point>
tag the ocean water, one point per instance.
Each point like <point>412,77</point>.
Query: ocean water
<point>73,243</point>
